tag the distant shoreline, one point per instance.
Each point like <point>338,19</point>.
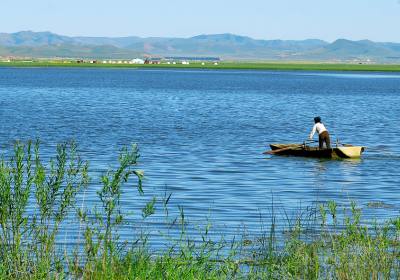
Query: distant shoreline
<point>303,66</point>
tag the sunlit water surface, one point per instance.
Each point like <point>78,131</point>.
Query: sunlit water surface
<point>201,136</point>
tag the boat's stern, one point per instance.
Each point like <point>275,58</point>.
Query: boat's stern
<point>350,152</point>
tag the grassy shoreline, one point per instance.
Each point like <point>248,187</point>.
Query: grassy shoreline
<point>290,66</point>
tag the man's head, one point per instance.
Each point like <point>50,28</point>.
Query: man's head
<point>317,119</point>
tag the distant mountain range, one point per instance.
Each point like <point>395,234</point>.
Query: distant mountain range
<point>225,46</point>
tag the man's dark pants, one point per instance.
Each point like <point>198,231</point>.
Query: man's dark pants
<point>324,137</point>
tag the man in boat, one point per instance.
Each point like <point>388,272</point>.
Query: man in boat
<point>322,133</point>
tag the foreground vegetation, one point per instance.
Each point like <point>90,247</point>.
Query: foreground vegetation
<point>304,66</point>
<point>36,198</point>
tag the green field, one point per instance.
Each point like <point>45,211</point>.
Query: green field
<point>221,65</point>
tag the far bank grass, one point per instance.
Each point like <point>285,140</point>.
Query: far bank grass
<point>301,66</point>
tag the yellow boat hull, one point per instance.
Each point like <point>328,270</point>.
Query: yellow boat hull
<point>351,152</point>
<point>307,151</point>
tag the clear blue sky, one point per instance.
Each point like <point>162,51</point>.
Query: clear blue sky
<point>378,20</point>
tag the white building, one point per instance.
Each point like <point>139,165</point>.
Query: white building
<point>137,61</point>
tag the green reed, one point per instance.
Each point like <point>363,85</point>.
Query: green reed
<point>27,241</point>
<point>37,197</point>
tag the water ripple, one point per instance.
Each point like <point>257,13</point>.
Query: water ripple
<point>201,135</point>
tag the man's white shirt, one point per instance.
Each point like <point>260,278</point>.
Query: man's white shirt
<point>318,127</point>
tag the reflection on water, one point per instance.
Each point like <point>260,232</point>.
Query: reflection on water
<point>201,135</point>
<point>353,75</point>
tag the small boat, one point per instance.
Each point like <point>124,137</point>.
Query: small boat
<point>303,150</point>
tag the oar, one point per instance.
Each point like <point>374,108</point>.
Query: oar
<point>271,152</point>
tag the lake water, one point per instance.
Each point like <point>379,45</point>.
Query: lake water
<point>201,136</point>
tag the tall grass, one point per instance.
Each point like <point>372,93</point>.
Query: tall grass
<point>37,197</point>
<point>27,238</point>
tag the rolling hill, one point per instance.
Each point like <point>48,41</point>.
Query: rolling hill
<point>226,46</point>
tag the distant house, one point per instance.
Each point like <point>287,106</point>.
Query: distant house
<point>185,62</point>
<point>152,61</point>
<point>137,61</point>
<point>193,58</point>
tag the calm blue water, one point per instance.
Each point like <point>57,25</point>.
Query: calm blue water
<point>201,135</point>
